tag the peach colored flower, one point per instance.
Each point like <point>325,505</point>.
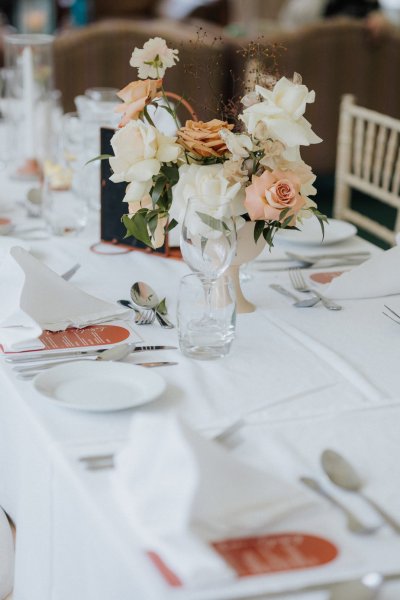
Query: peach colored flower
<point>135,96</point>
<point>272,192</point>
<point>204,138</point>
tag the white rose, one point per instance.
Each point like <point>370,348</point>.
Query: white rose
<point>239,144</point>
<point>281,111</point>
<point>139,149</point>
<point>208,183</point>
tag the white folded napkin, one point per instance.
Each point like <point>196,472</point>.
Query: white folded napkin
<point>35,298</point>
<point>378,276</point>
<point>179,490</point>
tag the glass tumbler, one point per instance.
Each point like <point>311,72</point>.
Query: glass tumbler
<point>206,317</point>
<point>65,208</point>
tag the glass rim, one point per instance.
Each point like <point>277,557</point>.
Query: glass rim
<point>28,39</point>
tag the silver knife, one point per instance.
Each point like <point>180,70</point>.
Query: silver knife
<point>36,356</point>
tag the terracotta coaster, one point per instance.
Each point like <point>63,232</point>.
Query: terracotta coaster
<point>325,277</point>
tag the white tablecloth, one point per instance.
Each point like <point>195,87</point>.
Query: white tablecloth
<point>301,380</point>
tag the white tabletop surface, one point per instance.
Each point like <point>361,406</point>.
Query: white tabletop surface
<point>302,379</point>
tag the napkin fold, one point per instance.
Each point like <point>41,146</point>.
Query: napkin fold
<point>180,490</point>
<point>36,298</point>
<point>378,276</point>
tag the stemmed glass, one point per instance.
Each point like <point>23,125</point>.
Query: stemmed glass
<point>208,245</point>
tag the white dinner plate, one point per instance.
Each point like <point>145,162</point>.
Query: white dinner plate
<point>7,242</point>
<point>310,235</point>
<point>99,386</point>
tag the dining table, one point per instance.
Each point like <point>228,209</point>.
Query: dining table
<point>298,380</point>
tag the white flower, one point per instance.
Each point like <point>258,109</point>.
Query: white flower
<point>281,110</point>
<point>139,150</point>
<point>208,183</point>
<point>235,171</point>
<point>239,144</point>
<point>153,59</point>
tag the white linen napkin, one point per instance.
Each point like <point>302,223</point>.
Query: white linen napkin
<point>378,276</point>
<point>35,298</point>
<point>179,490</point>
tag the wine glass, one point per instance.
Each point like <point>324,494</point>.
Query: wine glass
<point>208,245</point>
<point>208,238</point>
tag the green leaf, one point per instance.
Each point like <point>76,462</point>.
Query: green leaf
<point>100,157</point>
<point>258,229</point>
<point>171,224</point>
<point>213,223</point>
<point>147,116</point>
<point>158,189</point>
<point>171,172</point>
<point>162,307</point>
<point>152,223</point>
<point>203,243</point>
<point>137,227</point>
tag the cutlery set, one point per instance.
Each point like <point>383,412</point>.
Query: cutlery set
<point>28,364</point>
<point>313,261</point>
<point>343,475</point>
<point>147,306</point>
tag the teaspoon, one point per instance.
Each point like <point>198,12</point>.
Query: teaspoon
<point>341,473</point>
<point>144,296</point>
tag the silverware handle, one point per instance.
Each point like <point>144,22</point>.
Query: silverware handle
<point>353,523</point>
<point>394,524</point>
<point>164,322</point>
<point>329,304</point>
<point>281,290</point>
<point>48,365</point>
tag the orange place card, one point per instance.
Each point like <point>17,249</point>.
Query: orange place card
<point>274,553</point>
<point>94,335</point>
<point>325,277</point>
<point>4,221</point>
<point>264,555</point>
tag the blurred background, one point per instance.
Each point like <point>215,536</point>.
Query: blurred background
<point>338,46</point>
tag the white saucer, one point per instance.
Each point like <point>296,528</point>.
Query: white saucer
<point>7,242</point>
<point>99,386</point>
<point>310,235</point>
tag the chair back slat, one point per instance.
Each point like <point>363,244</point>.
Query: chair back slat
<point>379,155</point>
<point>389,159</point>
<point>368,161</point>
<point>368,150</point>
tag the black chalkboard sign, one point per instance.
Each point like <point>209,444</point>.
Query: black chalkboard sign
<point>112,207</point>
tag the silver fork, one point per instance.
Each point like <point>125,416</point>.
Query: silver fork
<point>145,317</point>
<point>299,284</point>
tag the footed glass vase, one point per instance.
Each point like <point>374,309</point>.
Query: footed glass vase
<point>246,250</point>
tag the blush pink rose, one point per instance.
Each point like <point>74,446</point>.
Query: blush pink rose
<point>272,192</point>
<point>135,96</point>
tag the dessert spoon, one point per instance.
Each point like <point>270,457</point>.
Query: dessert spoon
<point>342,474</point>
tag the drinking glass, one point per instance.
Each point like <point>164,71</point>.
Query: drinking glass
<point>208,237</point>
<point>206,322</point>
<point>65,208</point>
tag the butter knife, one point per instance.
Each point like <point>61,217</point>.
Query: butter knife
<point>36,356</point>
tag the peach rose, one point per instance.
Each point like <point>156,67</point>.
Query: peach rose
<point>272,192</point>
<point>135,96</point>
<point>203,138</point>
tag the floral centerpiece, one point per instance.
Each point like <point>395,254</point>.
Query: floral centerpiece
<point>257,166</point>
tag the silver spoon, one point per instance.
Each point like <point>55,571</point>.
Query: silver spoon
<point>144,296</point>
<point>353,523</point>
<point>365,589</point>
<point>341,473</point>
